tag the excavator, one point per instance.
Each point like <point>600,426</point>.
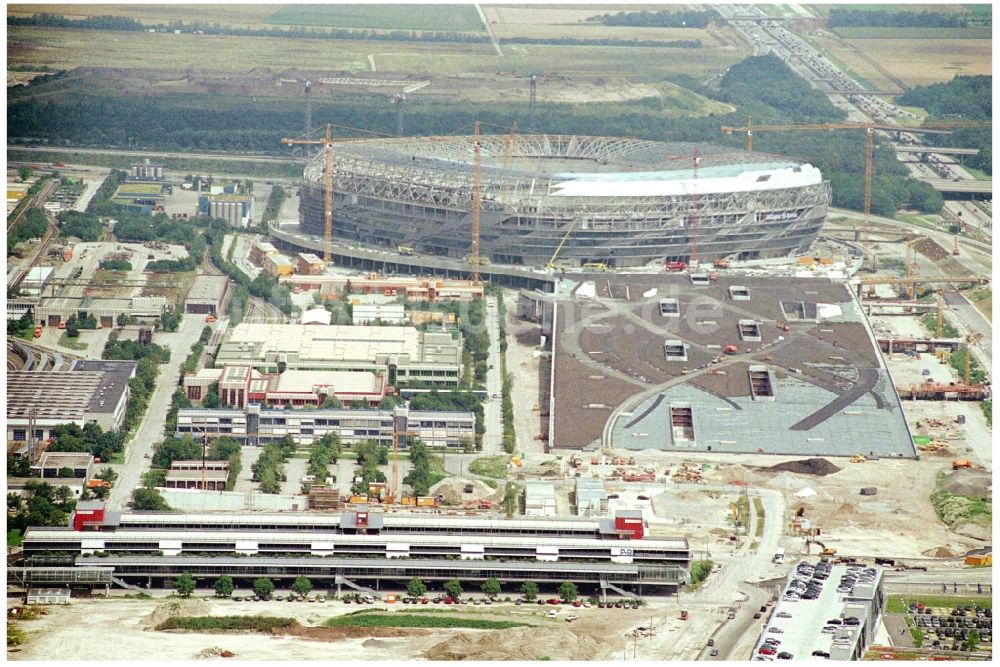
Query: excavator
<point>825,550</point>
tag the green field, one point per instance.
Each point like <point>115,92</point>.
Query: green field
<point>225,623</point>
<point>490,466</point>
<point>225,167</point>
<point>398,620</point>
<point>972,32</point>
<point>446,18</point>
<point>896,604</point>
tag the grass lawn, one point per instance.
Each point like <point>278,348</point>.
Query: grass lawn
<point>758,506</point>
<point>978,173</point>
<point>897,604</point>
<point>915,219</point>
<point>118,458</point>
<point>490,466</point>
<point>983,300</point>
<point>462,18</point>
<point>72,343</point>
<point>437,471</point>
<point>14,537</point>
<point>398,620</point>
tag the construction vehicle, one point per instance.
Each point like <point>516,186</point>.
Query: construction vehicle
<point>38,332</point>
<point>731,349</point>
<point>405,250</point>
<point>827,551</point>
<point>858,458</point>
<point>599,266</point>
<point>961,463</point>
<point>675,266</point>
<point>684,614</point>
<point>722,264</point>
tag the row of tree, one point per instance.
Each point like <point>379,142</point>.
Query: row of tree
<point>858,18</point>
<point>290,32</point>
<point>263,587</point>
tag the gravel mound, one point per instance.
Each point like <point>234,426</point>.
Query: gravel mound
<point>176,608</point>
<point>965,482</point>
<point>515,644</point>
<point>214,652</point>
<point>817,467</point>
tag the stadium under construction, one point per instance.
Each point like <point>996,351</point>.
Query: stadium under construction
<point>620,202</point>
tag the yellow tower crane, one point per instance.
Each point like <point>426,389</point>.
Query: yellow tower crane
<point>476,206</point>
<point>327,143</point>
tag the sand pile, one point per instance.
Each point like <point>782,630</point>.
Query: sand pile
<point>176,608</point>
<point>453,490</point>
<point>972,483</point>
<point>940,552</point>
<point>516,644</point>
<point>817,467</point>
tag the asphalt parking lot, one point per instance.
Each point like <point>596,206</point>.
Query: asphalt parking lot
<point>949,628</point>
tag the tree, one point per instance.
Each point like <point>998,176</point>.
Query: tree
<point>211,399</point>
<point>415,587</point>
<point>149,500</point>
<point>529,590</point>
<point>491,587</point>
<point>453,588</point>
<point>700,571</point>
<point>263,587</point>
<point>331,402</point>
<point>72,327</point>
<point>972,640</point>
<point>65,473</point>
<point>224,586</point>
<point>358,404</point>
<point>184,584</point>
<point>568,591</point>
<point>25,172</point>
<point>108,475</point>
<point>301,585</point>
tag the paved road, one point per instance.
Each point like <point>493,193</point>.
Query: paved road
<point>729,588</point>
<point>493,415</point>
<point>150,431</point>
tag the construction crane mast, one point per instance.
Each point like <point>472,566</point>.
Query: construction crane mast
<point>394,474</point>
<point>476,205</point>
<point>400,106</point>
<point>869,149</point>
<point>327,143</point>
<point>694,210</point>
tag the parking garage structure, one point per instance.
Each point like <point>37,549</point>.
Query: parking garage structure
<point>800,624</point>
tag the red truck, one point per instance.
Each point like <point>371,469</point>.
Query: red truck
<point>675,266</point>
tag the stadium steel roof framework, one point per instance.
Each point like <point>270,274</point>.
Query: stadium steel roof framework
<point>628,197</point>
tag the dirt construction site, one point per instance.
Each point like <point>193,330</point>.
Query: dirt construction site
<point>67,632</point>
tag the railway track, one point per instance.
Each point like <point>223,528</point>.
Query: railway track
<point>39,198</point>
<point>259,310</point>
